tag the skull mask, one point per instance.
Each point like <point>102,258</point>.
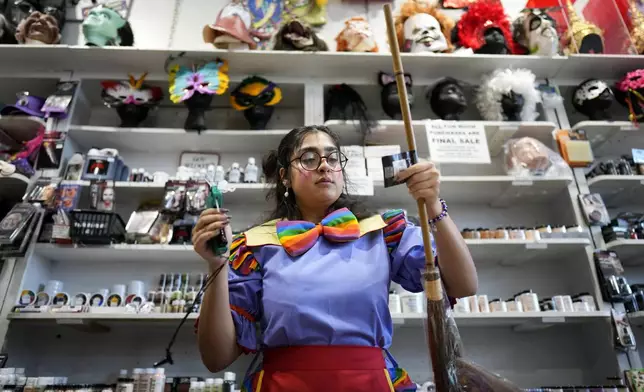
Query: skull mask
<point>593,98</point>
<point>535,30</point>
<point>423,34</point>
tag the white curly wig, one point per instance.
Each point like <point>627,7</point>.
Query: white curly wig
<point>502,81</point>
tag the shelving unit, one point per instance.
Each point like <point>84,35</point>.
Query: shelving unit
<point>532,349</point>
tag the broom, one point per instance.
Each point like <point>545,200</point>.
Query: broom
<point>451,372</point>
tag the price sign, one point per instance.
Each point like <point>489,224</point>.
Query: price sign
<point>360,186</point>
<point>456,142</point>
<point>638,155</point>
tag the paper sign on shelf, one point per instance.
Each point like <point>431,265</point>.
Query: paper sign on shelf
<point>457,142</point>
<point>360,186</point>
<point>638,155</point>
<point>536,245</point>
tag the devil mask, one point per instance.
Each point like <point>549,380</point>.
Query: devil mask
<point>593,98</point>
<point>356,36</point>
<point>256,97</point>
<point>105,27</point>
<point>231,29</point>
<point>195,86</point>
<point>508,95</point>
<point>630,93</point>
<point>295,35</point>
<point>485,28</point>
<point>447,99</point>
<point>535,33</point>
<point>389,94</point>
<point>132,100</point>
<point>422,28</point>
<point>38,29</point>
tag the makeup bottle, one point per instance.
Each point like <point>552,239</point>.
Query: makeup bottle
<point>229,382</point>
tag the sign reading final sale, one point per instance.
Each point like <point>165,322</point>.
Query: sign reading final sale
<point>456,142</point>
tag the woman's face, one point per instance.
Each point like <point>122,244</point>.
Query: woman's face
<point>321,186</point>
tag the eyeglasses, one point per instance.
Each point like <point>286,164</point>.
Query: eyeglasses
<point>311,161</point>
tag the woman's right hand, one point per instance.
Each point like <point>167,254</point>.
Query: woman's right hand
<point>210,223</point>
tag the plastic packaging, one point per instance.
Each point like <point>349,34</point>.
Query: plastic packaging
<point>136,376</point>
<point>218,385</point>
<point>229,382</point>
<point>483,304</point>
<point>395,305</point>
<point>474,304</point>
<point>525,157</point>
<point>497,305</point>
<point>158,380</point>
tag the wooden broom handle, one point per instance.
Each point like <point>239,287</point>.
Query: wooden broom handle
<point>409,130</point>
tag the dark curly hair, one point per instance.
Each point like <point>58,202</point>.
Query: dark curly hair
<point>286,207</point>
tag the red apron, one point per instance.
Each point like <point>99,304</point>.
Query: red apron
<point>323,369</point>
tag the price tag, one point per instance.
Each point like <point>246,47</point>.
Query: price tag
<point>69,321</point>
<point>509,128</point>
<point>548,320</point>
<point>457,142</point>
<point>522,183</point>
<point>536,245</point>
<point>629,127</point>
<point>638,155</point>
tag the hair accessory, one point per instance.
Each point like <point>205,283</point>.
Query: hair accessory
<point>420,27</point>
<point>637,27</point>
<point>231,29</point>
<point>295,35</point>
<point>485,28</point>
<point>630,93</point>
<point>356,36</point>
<point>38,29</point>
<point>106,27</point>
<point>433,221</point>
<point>132,100</point>
<point>583,36</point>
<point>508,95</point>
<point>256,97</point>
<point>593,98</point>
<point>195,87</point>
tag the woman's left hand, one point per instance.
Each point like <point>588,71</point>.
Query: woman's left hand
<point>423,182</point>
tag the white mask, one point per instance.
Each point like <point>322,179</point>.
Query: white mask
<point>423,34</point>
<point>358,36</point>
<point>590,90</point>
<point>542,35</point>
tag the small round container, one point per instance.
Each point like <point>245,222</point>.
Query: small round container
<point>559,232</point>
<point>27,297</point>
<point>497,305</point>
<point>467,234</point>
<point>530,301</point>
<point>81,299</point>
<point>517,234</point>
<point>575,232</point>
<point>97,300</point>
<point>545,231</point>
<point>394,303</point>
<point>42,299</point>
<point>547,305</point>
<point>484,307</point>
<point>476,234</point>
<point>462,305</point>
<point>485,234</point>
<point>412,302</point>
<point>501,233</point>
<point>474,304</point>
<point>588,299</point>
<point>531,234</point>
<point>580,306</point>
<point>514,306</point>
<point>60,299</point>
<point>114,300</point>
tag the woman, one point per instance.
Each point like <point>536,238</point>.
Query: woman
<point>317,276</point>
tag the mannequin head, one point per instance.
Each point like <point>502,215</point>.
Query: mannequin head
<point>535,32</point>
<point>389,93</point>
<point>295,35</point>
<point>105,27</point>
<point>256,97</point>
<point>38,29</point>
<point>132,100</point>
<point>422,28</point>
<point>593,98</point>
<point>447,99</point>
<point>311,193</point>
<point>485,28</point>
<point>356,36</point>
<point>508,95</point>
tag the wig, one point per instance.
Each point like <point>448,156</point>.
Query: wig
<point>479,17</point>
<point>412,8</point>
<point>297,28</point>
<point>503,81</point>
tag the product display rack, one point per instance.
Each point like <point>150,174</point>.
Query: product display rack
<point>532,349</point>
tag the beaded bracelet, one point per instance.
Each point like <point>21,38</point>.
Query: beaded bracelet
<point>439,217</point>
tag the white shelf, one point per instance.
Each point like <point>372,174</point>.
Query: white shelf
<point>139,140</point>
<point>636,318</point>
<point>346,67</point>
<point>517,252</point>
<point>618,190</point>
<point>513,319</point>
<point>118,253</point>
<point>505,252</point>
<point>612,138</point>
<point>80,317</point>
<point>608,67</point>
<point>630,252</point>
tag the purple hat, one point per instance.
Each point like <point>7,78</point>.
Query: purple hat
<point>26,104</point>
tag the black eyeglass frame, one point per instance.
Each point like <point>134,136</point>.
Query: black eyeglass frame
<point>342,158</point>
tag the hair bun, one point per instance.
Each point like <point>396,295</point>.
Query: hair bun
<point>270,165</point>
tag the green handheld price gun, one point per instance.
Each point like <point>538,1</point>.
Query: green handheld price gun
<point>218,244</point>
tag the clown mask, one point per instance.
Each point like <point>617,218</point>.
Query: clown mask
<point>356,36</point>
<point>423,34</point>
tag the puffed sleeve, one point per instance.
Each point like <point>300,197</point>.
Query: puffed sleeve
<point>406,251</point>
<point>245,287</point>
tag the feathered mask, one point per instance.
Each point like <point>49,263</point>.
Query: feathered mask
<point>480,17</point>
<point>507,93</point>
<point>210,79</point>
<point>630,93</point>
<point>133,92</point>
<point>255,91</point>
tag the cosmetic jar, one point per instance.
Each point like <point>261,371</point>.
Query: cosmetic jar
<point>497,305</point>
<point>514,306</point>
<point>462,305</point>
<point>467,234</point>
<point>485,234</point>
<point>412,302</point>
<point>547,305</point>
<point>476,234</point>
<point>545,231</point>
<point>394,303</point>
<point>60,299</point>
<point>529,301</point>
<point>559,232</point>
<point>517,234</point>
<point>580,306</point>
<point>484,307</point>
<point>27,297</point>
<point>501,233</point>
<point>563,303</point>
<point>474,304</point>
<point>42,299</point>
<point>532,234</point>
<point>81,299</point>
<point>587,298</point>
